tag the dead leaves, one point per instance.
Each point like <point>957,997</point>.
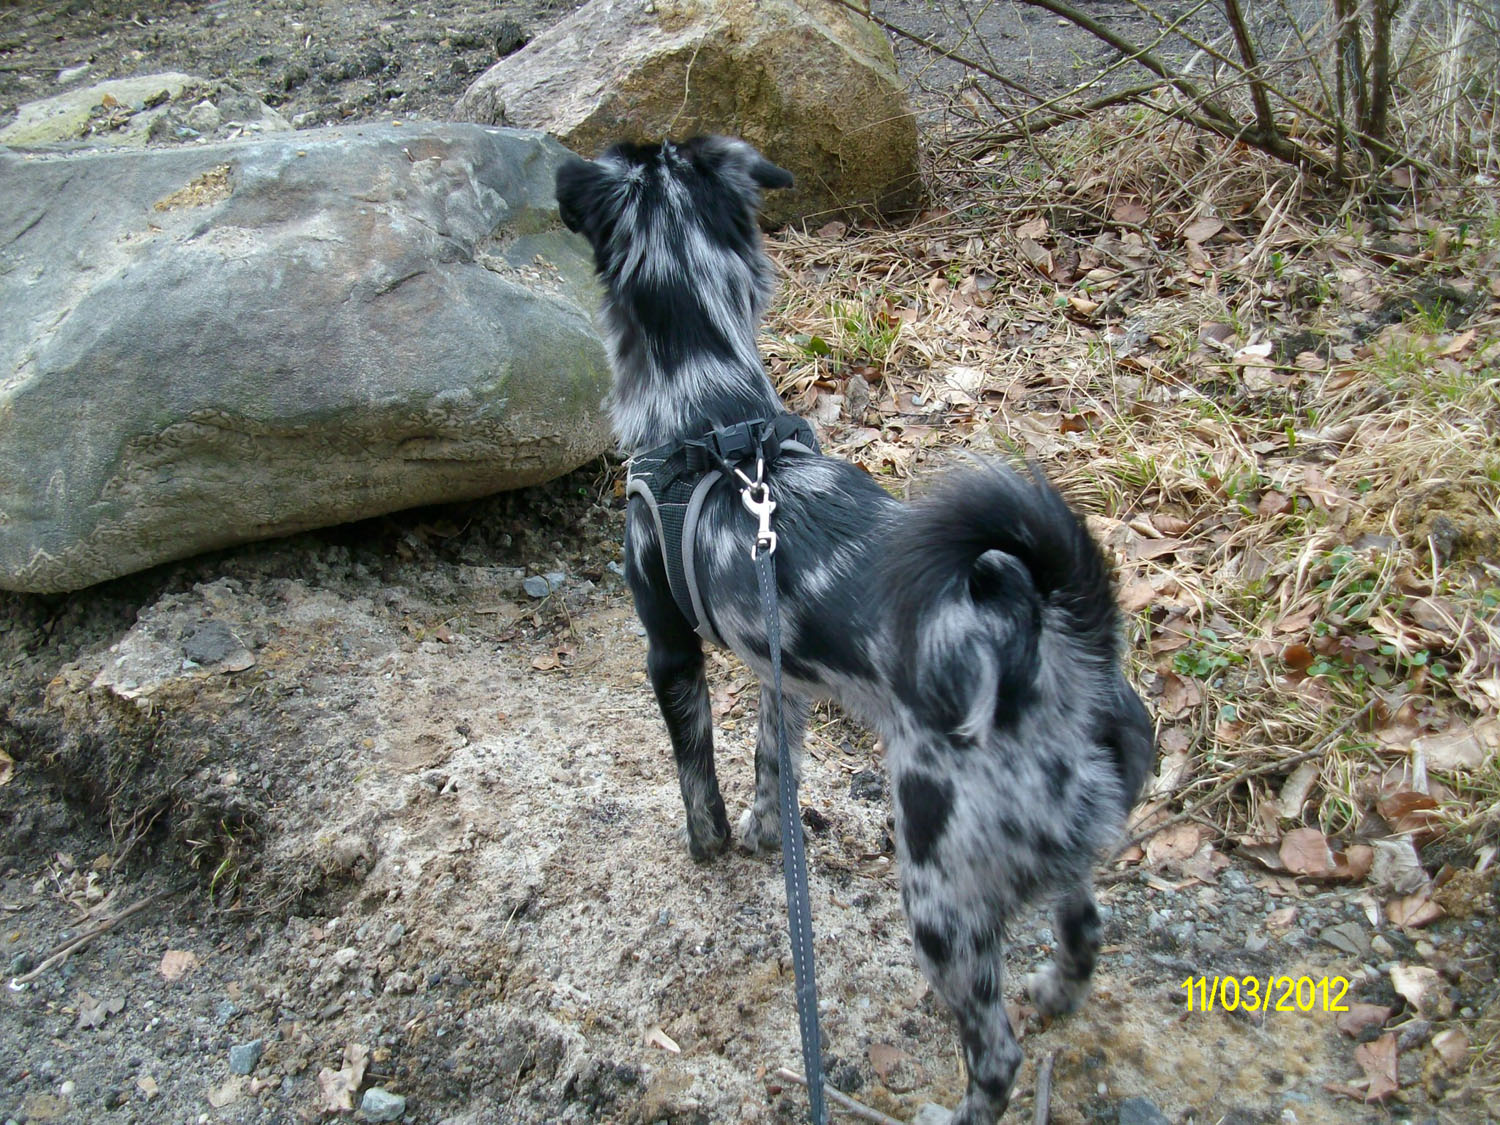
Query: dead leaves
<point>1378,1061</point>
<point>338,1087</point>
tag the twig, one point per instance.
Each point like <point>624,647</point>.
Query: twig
<point>1043,1107</point>
<point>838,1097</point>
<point>61,952</point>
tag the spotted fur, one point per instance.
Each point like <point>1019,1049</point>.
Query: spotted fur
<point>974,630</point>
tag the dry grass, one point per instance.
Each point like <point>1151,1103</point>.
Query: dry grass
<point>1281,419</point>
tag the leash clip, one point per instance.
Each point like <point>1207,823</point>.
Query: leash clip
<point>756,496</point>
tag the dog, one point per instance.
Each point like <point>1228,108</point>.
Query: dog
<point>974,630</point>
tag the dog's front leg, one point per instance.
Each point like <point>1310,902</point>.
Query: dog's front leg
<point>674,664</point>
<point>676,673</point>
<point>760,826</point>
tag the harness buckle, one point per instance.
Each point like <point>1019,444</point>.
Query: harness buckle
<point>756,496</point>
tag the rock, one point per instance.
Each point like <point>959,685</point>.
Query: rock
<point>248,339</point>
<point>382,1105</point>
<point>1141,1111</point>
<point>540,585</point>
<point>204,117</point>
<point>132,103</point>
<point>814,87</point>
<point>243,1057</point>
<point>932,1114</point>
<point>210,643</point>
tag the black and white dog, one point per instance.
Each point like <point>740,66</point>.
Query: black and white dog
<point>974,630</point>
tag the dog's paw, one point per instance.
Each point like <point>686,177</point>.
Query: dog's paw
<point>1052,994</point>
<point>759,833</point>
<point>705,849</point>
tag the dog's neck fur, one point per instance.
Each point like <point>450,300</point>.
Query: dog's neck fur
<point>666,391</point>
<point>683,300</point>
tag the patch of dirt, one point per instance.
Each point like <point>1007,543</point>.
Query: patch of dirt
<point>390,801</point>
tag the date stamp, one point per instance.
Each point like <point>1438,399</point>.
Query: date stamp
<point>1266,994</point>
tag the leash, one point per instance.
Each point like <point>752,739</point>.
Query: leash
<point>756,496</point>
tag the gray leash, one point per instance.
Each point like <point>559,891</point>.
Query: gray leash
<point>756,495</point>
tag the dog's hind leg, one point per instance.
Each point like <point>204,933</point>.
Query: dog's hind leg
<point>1062,985</point>
<point>965,966</point>
<point>760,826</point>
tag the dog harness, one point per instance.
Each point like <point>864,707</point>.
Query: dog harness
<point>675,479</point>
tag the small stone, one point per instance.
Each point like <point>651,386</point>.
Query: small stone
<point>536,586</point>
<point>931,1114</point>
<point>243,1057</point>
<point>204,117</point>
<point>210,643</point>
<point>868,785</point>
<point>394,935</point>
<point>1141,1111</point>
<point>225,1011</point>
<point>382,1105</point>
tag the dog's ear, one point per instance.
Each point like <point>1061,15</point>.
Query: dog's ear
<point>769,175</point>
<point>582,196</point>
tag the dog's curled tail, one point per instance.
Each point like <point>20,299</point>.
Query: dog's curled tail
<point>974,573</point>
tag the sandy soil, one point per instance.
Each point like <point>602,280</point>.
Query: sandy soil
<point>385,814</point>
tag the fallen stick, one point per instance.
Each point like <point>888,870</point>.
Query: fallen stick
<point>72,944</point>
<point>841,1099</point>
<point>1043,1106</point>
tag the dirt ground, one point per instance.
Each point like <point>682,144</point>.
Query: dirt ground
<point>382,819</point>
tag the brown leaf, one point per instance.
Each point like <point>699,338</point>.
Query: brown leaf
<point>1353,864</point>
<point>1129,211</point>
<point>1137,595</point>
<point>1305,851</point>
<point>443,634</point>
<point>7,768</point>
<point>1179,695</point>
<point>1407,810</point>
<point>1361,1017</point>
<point>1035,229</point>
<point>546,662</point>
<point>1273,503</point>
<point>1297,622</point>
<point>1414,910</point>
<point>1200,230</point>
<point>1457,748</point>
<point>1378,1061</point>
<point>1298,657</point>
<point>1177,842</point>
<point>1422,988</point>
<point>1452,1046</point>
<point>1143,549</point>
<point>833,231</point>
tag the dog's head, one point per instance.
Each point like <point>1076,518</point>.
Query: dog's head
<point>672,213</point>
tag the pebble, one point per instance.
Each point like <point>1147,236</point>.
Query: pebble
<point>243,1057</point>
<point>382,1105</point>
<point>931,1114</point>
<point>540,585</point>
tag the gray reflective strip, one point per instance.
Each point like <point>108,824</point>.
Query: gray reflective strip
<point>634,486</point>
<point>689,572</point>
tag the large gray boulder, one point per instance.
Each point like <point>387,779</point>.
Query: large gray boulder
<point>809,83</point>
<point>206,345</point>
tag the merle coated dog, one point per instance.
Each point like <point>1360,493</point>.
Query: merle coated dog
<point>975,629</point>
